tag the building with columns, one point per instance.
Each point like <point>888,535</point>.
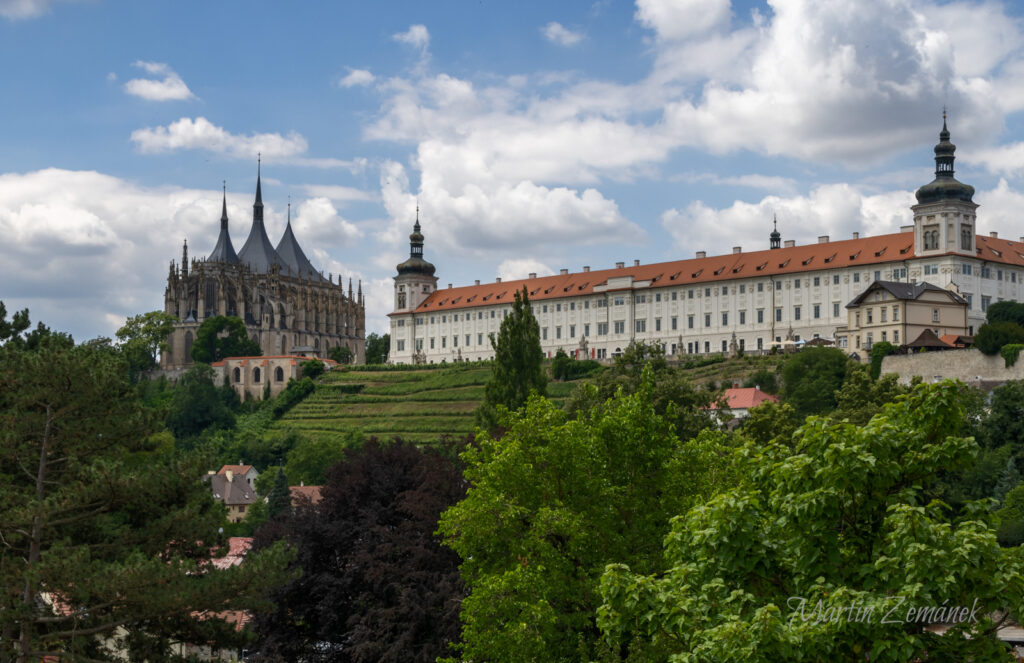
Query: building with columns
<point>285,302</point>
<point>746,300</point>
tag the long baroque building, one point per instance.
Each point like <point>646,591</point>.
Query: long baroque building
<point>287,305</point>
<point>743,300</point>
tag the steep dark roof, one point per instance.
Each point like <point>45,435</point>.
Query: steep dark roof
<point>900,290</point>
<point>292,256</point>
<point>224,251</point>
<point>928,339</point>
<point>258,253</point>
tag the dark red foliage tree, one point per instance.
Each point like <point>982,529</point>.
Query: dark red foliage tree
<point>375,583</point>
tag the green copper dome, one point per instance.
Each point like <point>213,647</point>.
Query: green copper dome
<point>945,186</point>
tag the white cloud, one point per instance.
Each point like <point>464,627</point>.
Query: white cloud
<point>837,210</point>
<point>356,77</point>
<point>416,35</point>
<point>1005,159</point>
<point>556,33</point>
<point>317,221</point>
<point>201,134</point>
<point>680,19</point>
<point>774,183</point>
<point>521,268</point>
<point>168,88</point>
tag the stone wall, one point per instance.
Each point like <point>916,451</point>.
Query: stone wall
<point>970,366</point>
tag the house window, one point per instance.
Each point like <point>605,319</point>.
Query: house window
<point>707,319</point>
<point>725,346</point>
<point>586,329</point>
<point>431,343</point>
<point>743,317</point>
<point>985,301</point>
<point>796,283</point>
<point>725,319</point>
<point>620,326</point>
<point>817,311</point>
<point>896,336</point>
<point>707,292</point>
<point>778,285</point>
<point>674,295</point>
<point>544,309</point>
<point>572,306</point>
<point>641,326</point>
<point>467,340</point>
<point>602,329</point>
<point>935,315</point>
<point>657,297</point>
<point>871,315</point>
<point>400,345</point>
<point>883,312</point>
<point>707,346</point>
<point>619,301</point>
<point>558,332</point>
<point>884,337</point>
<point>895,313</point>
<point>796,312</point>
<point>444,342</point>
<point>778,315</point>
<point>760,343</point>
<point>856,277</point>
<point>817,281</point>
<point>878,275</point>
<point>689,294</point>
<point>760,315</point>
<point>675,323</point>
<point>760,287</point>
<point>256,375</point>
<point>931,269</point>
<point>970,301</point>
<point>419,344</point>
<point>641,299</point>
<point>544,333</point>
<point>238,375</point>
<point>966,269</point>
<point>657,324</point>
<point>279,374</point>
<point>558,307</point>
<point>835,309</point>
<point>725,290</point>
<point>689,322</point>
<point>572,331</point>
<point>492,316</point>
<point>986,272</point>
<point>743,288</point>
<point>835,279</point>
<point>931,239</point>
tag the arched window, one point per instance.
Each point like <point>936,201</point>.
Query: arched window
<point>284,344</point>
<point>965,238</point>
<point>255,375</point>
<point>238,374</point>
<point>931,239</point>
<point>279,374</point>
<point>316,343</point>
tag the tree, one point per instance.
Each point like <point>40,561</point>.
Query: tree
<point>861,397</point>
<point>377,347</point>
<point>11,329</point>
<point>1006,312</point>
<point>676,399</point>
<point>341,354</point>
<point>560,365</point>
<point>992,336</point>
<point>1011,518</point>
<point>211,346</point>
<point>764,379</point>
<point>312,369</point>
<point>106,531</point>
<point>279,501</point>
<point>880,351</point>
<point>309,459</point>
<point>842,526</point>
<point>518,363</point>
<point>375,583</point>
<point>552,502</point>
<point>770,421</point>
<point>1004,423</point>
<point>142,337</point>
<point>197,404</point>
<point>810,379</point>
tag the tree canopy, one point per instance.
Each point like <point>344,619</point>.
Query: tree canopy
<point>992,336</point>
<point>518,362</point>
<point>807,561</point>
<point>811,377</point>
<point>377,347</point>
<point>106,531</point>
<point>1006,312</point>
<point>142,337</point>
<point>375,583</point>
<point>210,346</point>
<point>197,404</point>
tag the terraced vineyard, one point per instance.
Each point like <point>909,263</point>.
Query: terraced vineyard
<point>418,405</point>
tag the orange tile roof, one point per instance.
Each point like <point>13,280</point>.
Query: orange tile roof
<point>238,546</point>
<point>865,251</point>
<point>311,493</point>
<point>245,360</point>
<point>240,470</point>
<point>744,398</point>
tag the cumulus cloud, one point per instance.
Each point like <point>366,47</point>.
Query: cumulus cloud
<point>168,88</point>
<point>556,33</point>
<point>680,19</point>
<point>837,210</point>
<point>337,193</point>
<point>318,220</point>
<point>356,77</point>
<point>201,134</point>
<point>520,268</point>
<point>416,36</point>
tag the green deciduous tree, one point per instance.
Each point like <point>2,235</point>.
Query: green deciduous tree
<point>1004,423</point>
<point>861,397</point>
<point>1011,518</point>
<point>211,346</point>
<point>106,531</point>
<point>313,369</point>
<point>198,404</point>
<point>843,523</point>
<point>992,336</point>
<point>880,351</point>
<point>556,499</point>
<point>377,347</point>
<point>518,363</point>
<point>1006,312</point>
<point>769,421</point>
<point>144,336</point>
<point>811,377</point>
<point>341,354</point>
<point>309,459</point>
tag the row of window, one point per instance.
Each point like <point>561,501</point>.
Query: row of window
<point>258,376</point>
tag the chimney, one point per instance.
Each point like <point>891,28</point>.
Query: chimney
<point>737,249</point>
<point>856,235</point>
<point>563,271</point>
<point>449,286</point>
<point>497,280</point>
<point>1022,238</point>
<point>994,235</point>
<point>822,239</point>
<point>586,268</point>
<point>533,275</point>
<point>229,475</point>
<point>702,254</point>
<point>907,229</point>
<point>620,265</point>
<point>789,243</point>
<point>636,263</point>
<point>476,282</point>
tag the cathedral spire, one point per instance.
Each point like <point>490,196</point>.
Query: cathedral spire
<point>223,251</point>
<point>257,207</point>
<point>184,258</point>
<point>224,208</point>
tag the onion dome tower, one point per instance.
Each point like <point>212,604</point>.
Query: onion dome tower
<point>775,239</point>
<point>415,280</point>
<point>944,216</point>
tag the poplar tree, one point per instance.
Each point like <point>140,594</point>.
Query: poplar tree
<point>518,363</point>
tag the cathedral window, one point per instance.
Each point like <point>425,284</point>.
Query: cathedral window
<point>238,375</point>
<point>255,375</point>
<point>279,374</point>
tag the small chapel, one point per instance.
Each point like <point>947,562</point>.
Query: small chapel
<point>287,305</point>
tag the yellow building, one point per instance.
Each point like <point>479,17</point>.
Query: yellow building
<point>899,312</point>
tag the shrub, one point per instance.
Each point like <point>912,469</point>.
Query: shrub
<point>312,369</point>
<point>994,335</point>
<point>292,394</point>
<point>1010,352</point>
<point>878,352</point>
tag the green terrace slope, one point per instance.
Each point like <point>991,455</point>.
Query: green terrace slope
<point>417,405</point>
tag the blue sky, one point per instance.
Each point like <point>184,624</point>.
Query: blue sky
<point>533,135</point>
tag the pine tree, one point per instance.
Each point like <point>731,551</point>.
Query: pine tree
<point>280,499</point>
<point>518,363</point>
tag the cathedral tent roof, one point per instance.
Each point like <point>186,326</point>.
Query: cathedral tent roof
<point>224,251</point>
<point>292,256</point>
<point>258,253</point>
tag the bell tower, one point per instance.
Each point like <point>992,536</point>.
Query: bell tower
<point>944,216</point>
<point>415,281</point>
